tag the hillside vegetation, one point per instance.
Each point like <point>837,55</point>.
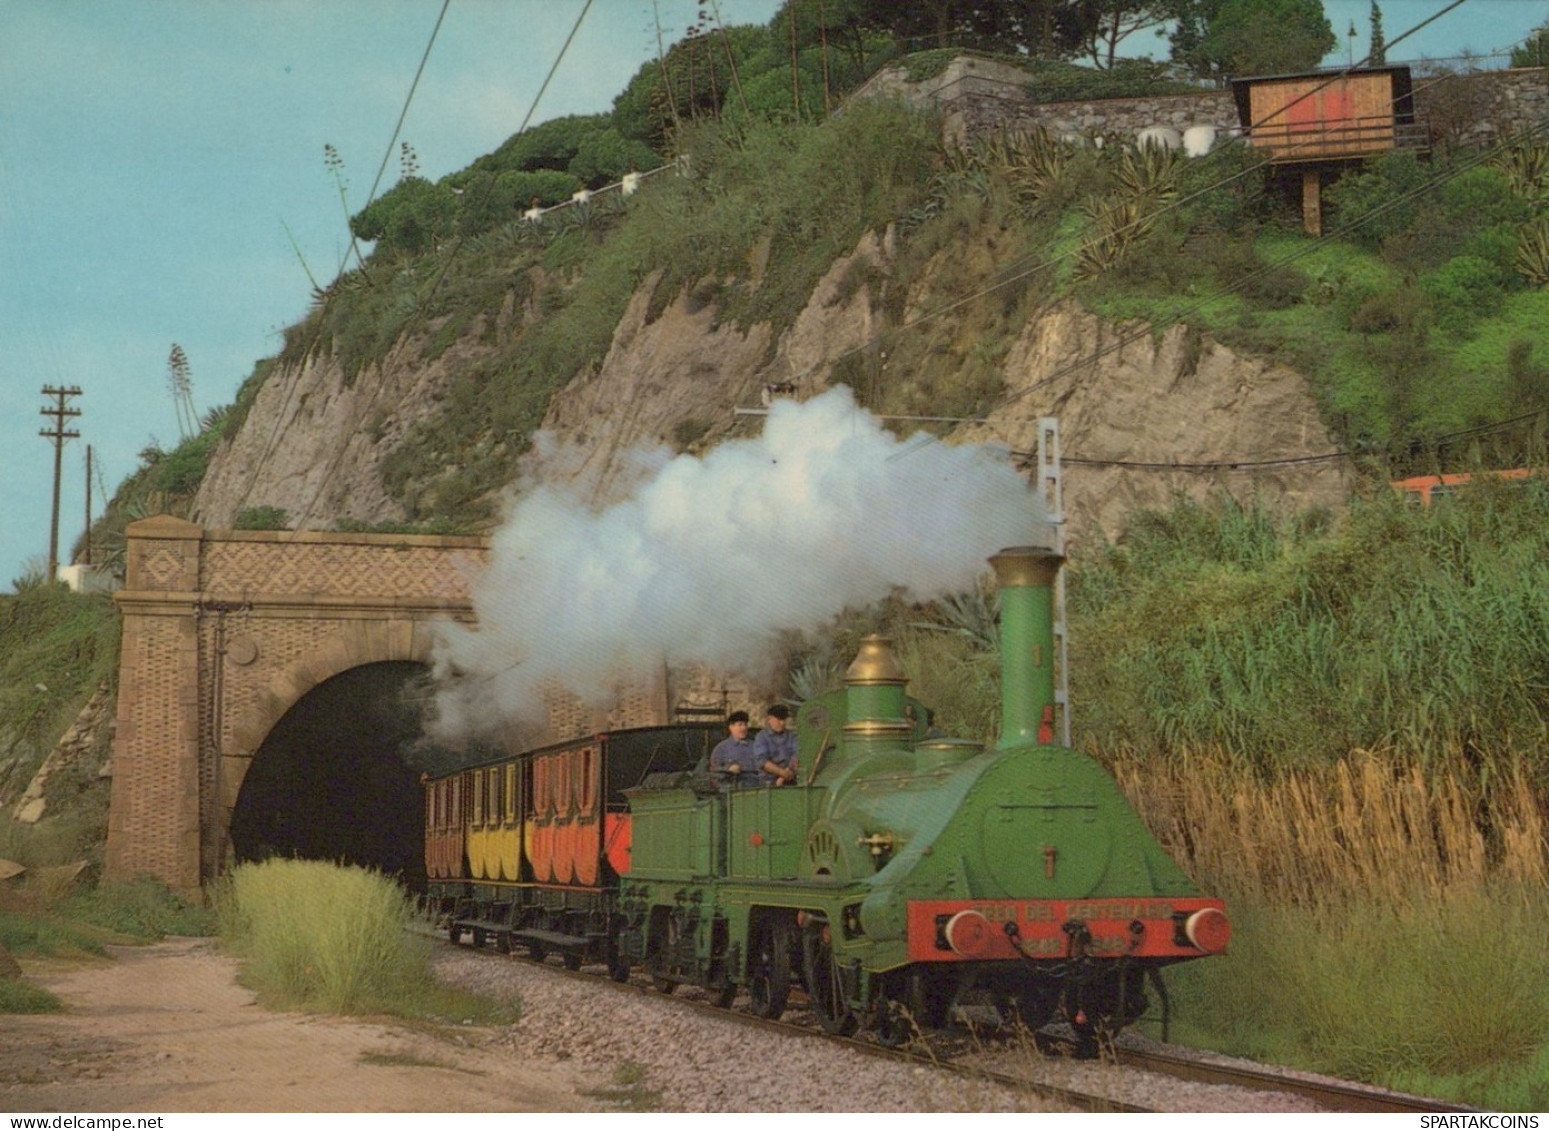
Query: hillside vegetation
<point>1388,666</point>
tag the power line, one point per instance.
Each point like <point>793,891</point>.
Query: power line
<point>271,443</point>
<point>1282,261</point>
<point>1258,464</point>
<point>1020,272</point>
<point>377,391</point>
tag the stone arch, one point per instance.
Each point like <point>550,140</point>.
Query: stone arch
<point>356,644</point>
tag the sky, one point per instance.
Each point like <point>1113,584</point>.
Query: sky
<point>158,158</point>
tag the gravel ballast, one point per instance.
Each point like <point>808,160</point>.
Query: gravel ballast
<point>704,1063</point>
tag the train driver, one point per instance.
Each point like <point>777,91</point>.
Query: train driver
<point>774,750</point>
<point>733,755</point>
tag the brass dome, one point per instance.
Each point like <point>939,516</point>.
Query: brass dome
<point>875,663</point>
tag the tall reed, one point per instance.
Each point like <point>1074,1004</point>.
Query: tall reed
<point>1422,631</point>
<point>1369,827</point>
<point>1389,918</point>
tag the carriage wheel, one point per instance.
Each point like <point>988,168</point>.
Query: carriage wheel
<point>825,987</point>
<point>572,960</point>
<point>769,973</point>
<point>618,965</point>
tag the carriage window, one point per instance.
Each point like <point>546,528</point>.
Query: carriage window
<point>586,788</point>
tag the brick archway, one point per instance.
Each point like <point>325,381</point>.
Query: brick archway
<point>225,631</point>
<point>356,644</point>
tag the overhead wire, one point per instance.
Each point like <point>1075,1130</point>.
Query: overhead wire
<point>1019,269</point>
<point>1281,261</point>
<point>422,304</point>
<point>266,453</point>
<point>1018,274</point>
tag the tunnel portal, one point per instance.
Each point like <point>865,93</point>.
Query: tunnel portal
<point>333,779</point>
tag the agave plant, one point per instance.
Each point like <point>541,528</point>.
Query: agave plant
<point>1041,163</point>
<point>818,674</point>
<point>1526,168</point>
<point>1118,225</point>
<point>1150,172</point>
<point>971,614</point>
<point>1532,261</point>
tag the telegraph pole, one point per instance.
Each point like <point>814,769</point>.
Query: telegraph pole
<point>58,434</point>
<point>87,559</point>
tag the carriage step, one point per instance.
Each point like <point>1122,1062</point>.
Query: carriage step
<point>555,939</point>
<point>492,927</point>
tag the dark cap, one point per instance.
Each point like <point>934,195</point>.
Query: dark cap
<point>736,717</point>
<point>779,711</point>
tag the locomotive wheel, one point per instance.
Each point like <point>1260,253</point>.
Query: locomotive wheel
<point>454,933</point>
<point>894,1026</point>
<point>725,994</point>
<point>572,960</point>
<point>478,938</point>
<point>769,974</point>
<point>503,942</point>
<point>925,1000</point>
<point>825,987</point>
<point>664,943</point>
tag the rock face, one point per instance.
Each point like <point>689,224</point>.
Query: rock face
<point>1134,418</point>
<point>86,735</point>
<point>313,445</point>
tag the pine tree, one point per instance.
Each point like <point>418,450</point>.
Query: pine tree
<point>1378,55</point>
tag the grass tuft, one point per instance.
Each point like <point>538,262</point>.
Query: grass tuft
<point>318,936</point>
<point>17,996</point>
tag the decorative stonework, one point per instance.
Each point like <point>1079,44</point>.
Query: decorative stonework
<point>223,633</point>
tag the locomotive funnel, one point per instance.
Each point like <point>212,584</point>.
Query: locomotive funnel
<point>1026,577</point>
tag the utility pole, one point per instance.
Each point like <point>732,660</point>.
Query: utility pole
<point>87,559</point>
<point>58,434</point>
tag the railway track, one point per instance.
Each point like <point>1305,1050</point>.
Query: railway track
<point>982,1060</point>
<point>1332,1094</point>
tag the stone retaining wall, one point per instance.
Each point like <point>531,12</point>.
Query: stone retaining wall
<point>978,97</point>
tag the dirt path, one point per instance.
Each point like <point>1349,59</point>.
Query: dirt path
<point>166,1028</point>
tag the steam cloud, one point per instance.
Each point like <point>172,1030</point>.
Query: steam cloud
<point>706,559</point>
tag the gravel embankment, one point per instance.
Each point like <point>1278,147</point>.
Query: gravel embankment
<point>704,1063</point>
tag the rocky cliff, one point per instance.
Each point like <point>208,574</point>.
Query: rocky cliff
<point>1136,409</point>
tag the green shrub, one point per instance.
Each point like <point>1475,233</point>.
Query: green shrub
<point>1417,630</point>
<point>180,471</point>
<point>1464,290</point>
<point>48,935</point>
<point>1319,991</point>
<point>19,996</point>
<point>261,518</point>
<point>143,909</point>
<point>1372,205</point>
<point>319,936</point>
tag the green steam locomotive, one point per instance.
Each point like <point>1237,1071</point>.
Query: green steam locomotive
<point>905,881</point>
